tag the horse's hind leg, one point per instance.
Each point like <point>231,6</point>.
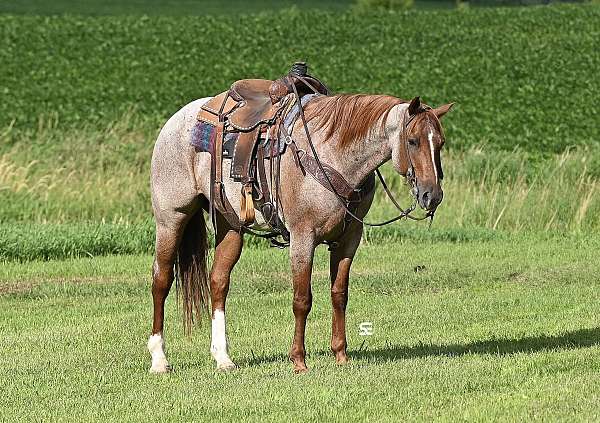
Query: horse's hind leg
<point>167,240</point>
<point>227,252</point>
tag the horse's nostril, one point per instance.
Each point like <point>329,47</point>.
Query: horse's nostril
<point>426,197</point>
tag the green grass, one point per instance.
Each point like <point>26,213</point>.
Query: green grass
<point>21,241</point>
<point>521,76</point>
<point>504,329</point>
<point>501,324</point>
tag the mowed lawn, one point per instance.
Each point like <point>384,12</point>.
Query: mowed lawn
<point>506,329</point>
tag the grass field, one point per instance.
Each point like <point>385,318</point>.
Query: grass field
<point>54,175</point>
<point>490,330</point>
<point>88,194</point>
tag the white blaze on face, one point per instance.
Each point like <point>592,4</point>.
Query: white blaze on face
<point>218,344</point>
<point>431,149</point>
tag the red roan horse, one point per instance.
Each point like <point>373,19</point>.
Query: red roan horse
<point>355,135</point>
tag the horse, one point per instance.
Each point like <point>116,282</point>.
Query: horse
<point>352,133</point>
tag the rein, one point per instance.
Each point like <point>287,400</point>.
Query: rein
<point>404,213</point>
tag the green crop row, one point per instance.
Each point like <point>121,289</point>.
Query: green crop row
<point>46,241</point>
<point>22,242</point>
<point>26,242</point>
<point>520,76</point>
<point>219,7</point>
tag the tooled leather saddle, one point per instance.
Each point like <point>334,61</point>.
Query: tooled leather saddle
<point>252,109</point>
<point>251,124</point>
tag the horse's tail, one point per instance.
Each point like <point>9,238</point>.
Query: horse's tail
<point>191,273</point>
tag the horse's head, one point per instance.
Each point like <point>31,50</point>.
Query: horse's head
<point>417,154</point>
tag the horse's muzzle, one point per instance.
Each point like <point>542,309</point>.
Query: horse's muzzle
<point>429,197</point>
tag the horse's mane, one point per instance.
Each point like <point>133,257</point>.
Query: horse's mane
<point>352,116</point>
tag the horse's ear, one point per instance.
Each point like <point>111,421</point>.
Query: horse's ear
<point>442,110</point>
<point>415,106</point>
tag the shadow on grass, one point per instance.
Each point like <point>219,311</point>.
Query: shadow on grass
<point>582,338</point>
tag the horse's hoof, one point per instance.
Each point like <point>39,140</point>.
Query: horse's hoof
<point>226,366</point>
<point>161,368</point>
<point>300,369</point>
<point>341,361</point>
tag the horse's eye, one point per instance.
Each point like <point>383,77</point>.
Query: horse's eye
<point>414,142</point>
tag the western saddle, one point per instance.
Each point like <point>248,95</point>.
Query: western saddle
<point>253,109</point>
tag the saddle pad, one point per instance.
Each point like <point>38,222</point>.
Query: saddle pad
<point>292,116</point>
<point>203,134</point>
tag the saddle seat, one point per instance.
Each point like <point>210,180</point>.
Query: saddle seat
<point>252,102</point>
<point>256,105</point>
<point>247,106</point>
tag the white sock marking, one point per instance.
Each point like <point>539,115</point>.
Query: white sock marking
<point>218,344</point>
<point>156,346</point>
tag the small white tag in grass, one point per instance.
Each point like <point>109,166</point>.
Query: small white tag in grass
<point>365,329</point>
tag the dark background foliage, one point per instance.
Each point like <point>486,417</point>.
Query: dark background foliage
<point>531,83</point>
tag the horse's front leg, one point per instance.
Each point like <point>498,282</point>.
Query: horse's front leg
<point>302,250</point>
<point>227,253</point>
<point>339,270</point>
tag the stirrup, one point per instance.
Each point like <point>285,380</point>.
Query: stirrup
<point>247,206</point>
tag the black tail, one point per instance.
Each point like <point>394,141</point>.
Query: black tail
<point>191,273</point>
